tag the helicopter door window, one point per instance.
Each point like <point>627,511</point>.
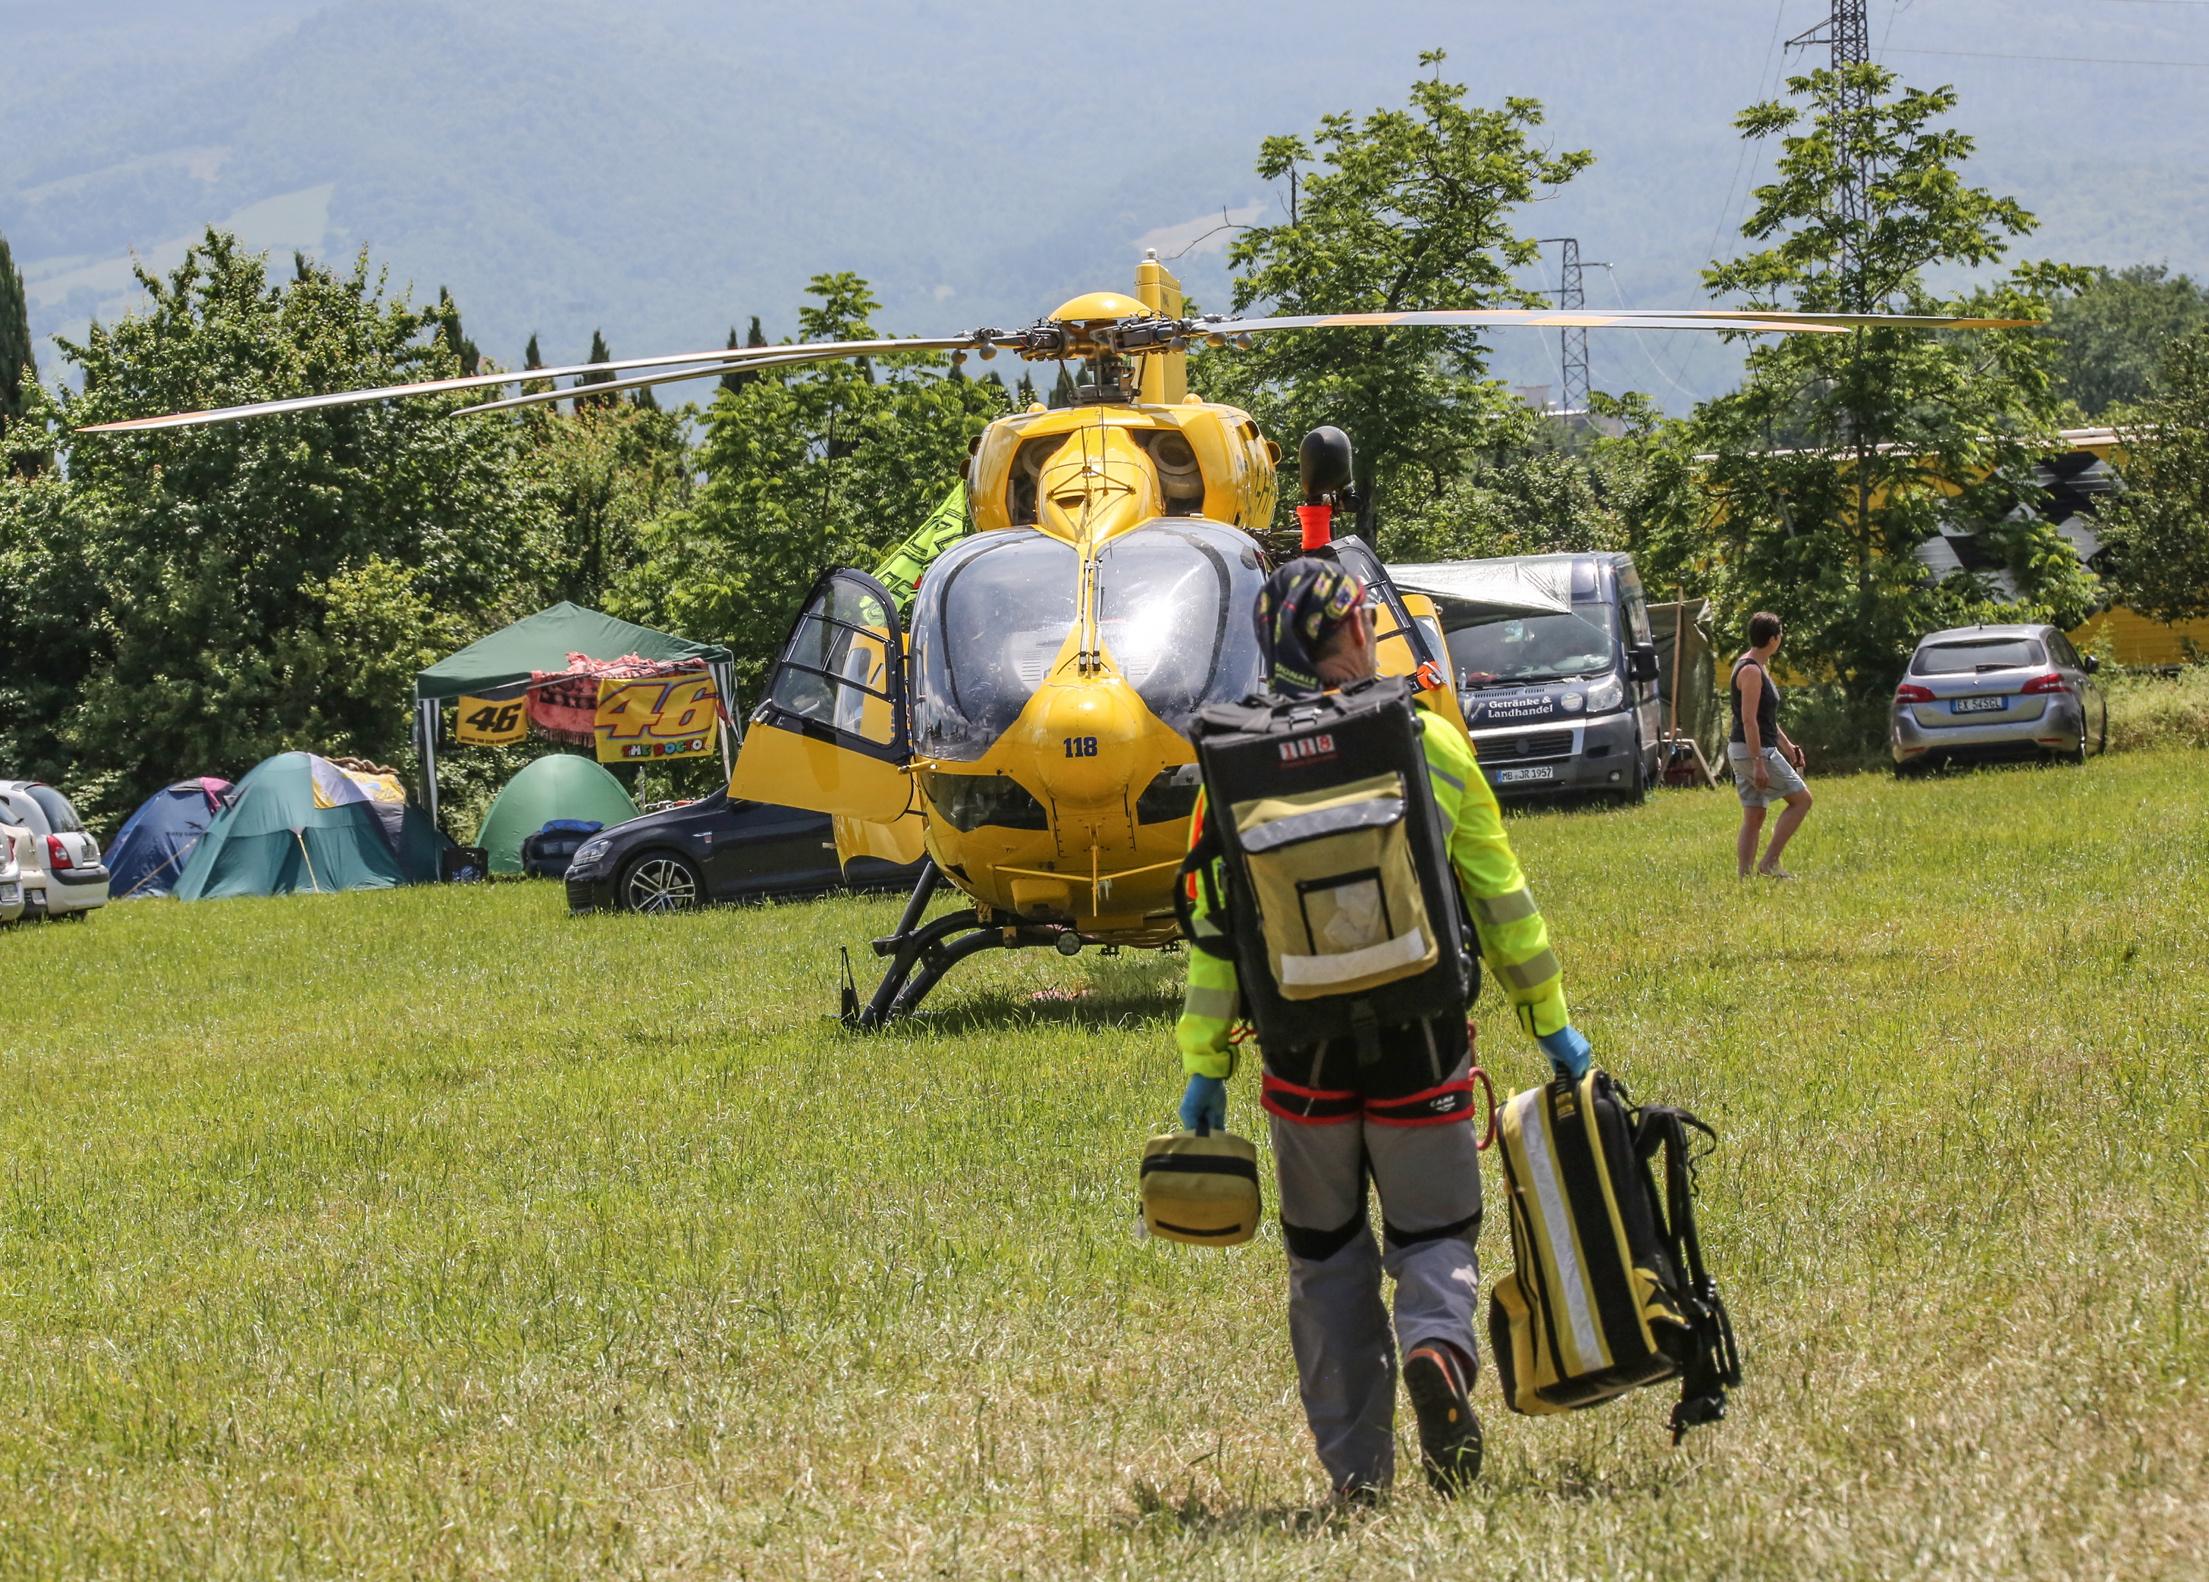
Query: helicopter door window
<point>835,673</point>
<point>990,617</point>
<point>1174,602</point>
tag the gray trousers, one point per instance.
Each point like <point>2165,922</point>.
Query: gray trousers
<point>1419,1148</point>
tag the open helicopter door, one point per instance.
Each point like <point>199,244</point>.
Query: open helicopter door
<point>831,734</point>
<point>1409,637</point>
<point>1414,644</point>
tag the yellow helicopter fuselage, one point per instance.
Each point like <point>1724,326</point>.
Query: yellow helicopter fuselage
<point>1037,727</point>
<point>1109,771</point>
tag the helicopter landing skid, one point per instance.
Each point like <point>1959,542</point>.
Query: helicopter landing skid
<point>921,954</point>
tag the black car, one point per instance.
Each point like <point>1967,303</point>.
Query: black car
<point>717,849</point>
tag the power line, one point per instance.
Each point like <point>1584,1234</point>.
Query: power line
<point>2060,60</point>
<point>1641,342</point>
<point>1741,157</point>
<point>1740,160</point>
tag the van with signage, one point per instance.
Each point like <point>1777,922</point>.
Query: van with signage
<point>1556,667</point>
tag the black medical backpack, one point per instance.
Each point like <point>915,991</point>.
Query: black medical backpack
<point>1339,910</point>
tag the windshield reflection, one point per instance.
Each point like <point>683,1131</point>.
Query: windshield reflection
<point>990,616</point>
<point>1174,602</point>
<point>1492,646</point>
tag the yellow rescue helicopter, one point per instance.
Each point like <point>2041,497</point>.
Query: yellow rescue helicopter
<point>1031,715</point>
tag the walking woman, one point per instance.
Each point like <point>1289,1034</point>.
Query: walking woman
<point>1766,765</point>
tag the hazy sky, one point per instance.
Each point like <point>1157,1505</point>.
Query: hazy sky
<point>658,168</point>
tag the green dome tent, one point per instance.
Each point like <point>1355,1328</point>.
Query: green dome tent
<point>299,822</point>
<point>560,785</point>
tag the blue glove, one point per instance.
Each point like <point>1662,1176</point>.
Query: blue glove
<point>1204,1105</point>
<point>1568,1052</point>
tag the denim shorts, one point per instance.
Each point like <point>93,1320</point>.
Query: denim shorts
<point>1785,782</point>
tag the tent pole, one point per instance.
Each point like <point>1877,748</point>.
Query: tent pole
<point>724,676</point>
<point>1679,650</point>
<point>425,726</point>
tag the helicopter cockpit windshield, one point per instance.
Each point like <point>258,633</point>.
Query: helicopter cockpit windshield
<point>990,617</point>
<point>1174,603</point>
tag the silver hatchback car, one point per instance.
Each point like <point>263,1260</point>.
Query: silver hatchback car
<point>1997,692</point>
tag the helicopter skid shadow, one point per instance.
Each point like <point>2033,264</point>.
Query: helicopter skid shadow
<point>996,1009</point>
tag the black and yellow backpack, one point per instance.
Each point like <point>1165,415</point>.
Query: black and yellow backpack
<point>1608,1291</point>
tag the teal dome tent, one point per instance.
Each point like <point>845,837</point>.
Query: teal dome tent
<point>298,822</point>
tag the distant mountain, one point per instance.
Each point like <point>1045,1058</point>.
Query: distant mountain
<point>664,168</point>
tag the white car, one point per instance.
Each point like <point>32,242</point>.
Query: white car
<point>11,872</point>
<point>62,872</point>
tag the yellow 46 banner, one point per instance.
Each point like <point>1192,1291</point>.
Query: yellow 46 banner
<point>657,717</point>
<point>491,722</point>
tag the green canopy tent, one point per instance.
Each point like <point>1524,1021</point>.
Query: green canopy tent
<point>299,822</point>
<point>559,785</point>
<point>541,643</point>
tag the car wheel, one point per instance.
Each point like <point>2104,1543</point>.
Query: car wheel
<point>2077,755</point>
<point>660,881</point>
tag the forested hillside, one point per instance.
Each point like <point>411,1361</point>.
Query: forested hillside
<point>666,168</point>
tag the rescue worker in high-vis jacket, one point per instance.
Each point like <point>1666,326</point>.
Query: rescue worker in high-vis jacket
<point>1403,1115</point>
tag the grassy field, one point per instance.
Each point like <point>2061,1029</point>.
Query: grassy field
<point>433,1233</point>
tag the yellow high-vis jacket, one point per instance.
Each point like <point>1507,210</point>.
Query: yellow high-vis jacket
<point>1514,940</point>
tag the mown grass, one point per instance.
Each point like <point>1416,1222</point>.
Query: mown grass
<point>433,1233</point>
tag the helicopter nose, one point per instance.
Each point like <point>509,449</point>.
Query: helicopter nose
<point>1090,727</point>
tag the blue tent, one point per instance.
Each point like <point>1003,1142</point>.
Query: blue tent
<point>149,851</point>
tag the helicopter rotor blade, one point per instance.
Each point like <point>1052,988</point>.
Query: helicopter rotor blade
<point>721,360</point>
<point>1850,321</point>
<point>585,392</point>
<point>1483,319</point>
<point>1746,321</point>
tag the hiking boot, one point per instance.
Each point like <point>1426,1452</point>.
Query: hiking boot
<point>1439,1381</point>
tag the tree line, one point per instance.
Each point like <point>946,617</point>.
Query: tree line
<point>190,600</point>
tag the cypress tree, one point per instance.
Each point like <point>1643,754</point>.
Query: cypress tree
<point>1062,393</point>
<point>737,378</point>
<point>1025,390</point>
<point>599,354</point>
<point>644,400</point>
<point>733,380</point>
<point>532,358</point>
<point>454,337</point>
<point>17,358</point>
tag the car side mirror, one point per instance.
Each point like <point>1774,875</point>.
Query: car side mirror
<point>1641,663</point>
<point>2092,664</point>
